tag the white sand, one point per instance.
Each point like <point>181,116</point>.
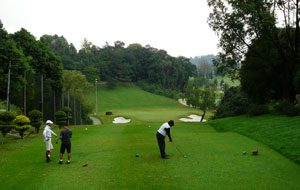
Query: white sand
<point>121,120</point>
<point>183,102</point>
<point>192,118</point>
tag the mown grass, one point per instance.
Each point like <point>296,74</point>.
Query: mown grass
<point>215,161</point>
<point>138,105</point>
<point>279,132</point>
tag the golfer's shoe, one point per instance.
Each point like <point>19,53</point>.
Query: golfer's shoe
<point>60,162</point>
<point>49,160</point>
<point>68,162</point>
<point>165,157</point>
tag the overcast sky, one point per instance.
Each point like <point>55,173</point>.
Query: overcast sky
<point>177,26</point>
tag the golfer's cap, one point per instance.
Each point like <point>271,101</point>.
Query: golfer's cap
<point>49,122</point>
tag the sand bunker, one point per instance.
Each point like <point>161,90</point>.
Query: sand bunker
<point>192,118</point>
<point>121,120</point>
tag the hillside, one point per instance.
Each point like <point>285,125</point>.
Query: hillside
<point>278,132</point>
<point>138,105</point>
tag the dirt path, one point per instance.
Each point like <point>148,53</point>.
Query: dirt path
<point>95,121</point>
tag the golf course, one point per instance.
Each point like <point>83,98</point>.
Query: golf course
<point>214,150</point>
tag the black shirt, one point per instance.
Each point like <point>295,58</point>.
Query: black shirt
<point>65,136</point>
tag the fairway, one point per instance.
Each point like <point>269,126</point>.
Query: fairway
<point>215,161</point>
<point>138,105</point>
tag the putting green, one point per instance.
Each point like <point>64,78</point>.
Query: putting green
<point>215,161</point>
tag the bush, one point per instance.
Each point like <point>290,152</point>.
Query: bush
<point>6,123</point>
<point>287,109</point>
<point>22,124</point>
<point>60,118</point>
<point>233,103</point>
<point>35,117</point>
<point>255,110</point>
<point>68,111</point>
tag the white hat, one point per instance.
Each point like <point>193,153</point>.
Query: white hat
<point>49,121</point>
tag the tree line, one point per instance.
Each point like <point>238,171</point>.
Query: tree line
<point>117,63</point>
<point>32,77</point>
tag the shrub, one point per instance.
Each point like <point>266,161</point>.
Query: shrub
<point>6,124</point>
<point>22,124</point>
<point>290,110</point>
<point>68,111</point>
<point>287,109</point>
<point>60,118</point>
<point>35,117</point>
<point>255,110</point>
<point>233,103</point>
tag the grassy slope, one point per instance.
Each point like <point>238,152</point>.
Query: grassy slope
<point>215,161</point>
<point>138,105</point>
<point>279,132</point>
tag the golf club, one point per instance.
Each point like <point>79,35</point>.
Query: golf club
<point>185,156</point>
<point>56,140</point>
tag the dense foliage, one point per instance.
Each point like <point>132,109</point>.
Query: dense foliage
<point>22,124</point>
<point>262,37</point>
<point>118,63</point>
<point>36,119</point>
<point>6,123</point>
<point>233,103</point>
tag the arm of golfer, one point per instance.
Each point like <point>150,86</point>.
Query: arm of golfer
<point>52,133</point>
<point>169,133</point>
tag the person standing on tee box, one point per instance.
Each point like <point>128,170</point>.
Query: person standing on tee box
<point>65,136</point>
<point>47,139</point>
<point>161,134</point>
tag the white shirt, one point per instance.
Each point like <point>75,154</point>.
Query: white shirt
<point>162,130</point>
<point>48,132</point>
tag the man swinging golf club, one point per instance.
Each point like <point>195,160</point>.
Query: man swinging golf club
<point>161,134</point>
<point>47,139</point>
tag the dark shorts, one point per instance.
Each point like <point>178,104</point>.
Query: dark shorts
<point>64,146</point>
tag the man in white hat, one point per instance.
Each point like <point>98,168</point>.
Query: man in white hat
<point>47,139</point>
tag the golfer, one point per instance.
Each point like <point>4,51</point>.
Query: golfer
<point>161,134</point>
<point>47,139</point>
<point>65,136</point>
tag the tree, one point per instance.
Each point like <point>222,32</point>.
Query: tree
<point>68,112</point>
<point>6,123</point>
<point>202,99</point>
<point>61,118</point>
<point>207,100</point>
<point>239,23</point>
<point>36,118</point>
<point>22,124</point>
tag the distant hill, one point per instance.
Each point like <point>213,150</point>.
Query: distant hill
<point>208,58</point>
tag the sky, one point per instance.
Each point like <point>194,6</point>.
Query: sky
<point>177,26</point>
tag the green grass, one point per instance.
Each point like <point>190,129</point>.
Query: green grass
<point>279,132</point>
<point>215,157</point>
<point>138,105</point>
<point>215,161</point>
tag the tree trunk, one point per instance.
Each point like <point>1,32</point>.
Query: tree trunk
<point>42,95</point>
<point>68,105</point>
<point>3,138</point>
<point>25,113</point>
<point>74,104</point>
<point>8,87</point>
<point>204,112</point>
<point>54,104</point>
